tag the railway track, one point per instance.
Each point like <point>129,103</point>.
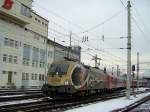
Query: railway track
<point>144,107</point>
<point>16,92</point>
<point>45,104</point>
<point>10,95</point>
<point>134,107</point>
<point>20,97</point>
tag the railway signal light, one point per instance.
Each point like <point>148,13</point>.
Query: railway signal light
<point>133,67</point>
<point>104,69</point>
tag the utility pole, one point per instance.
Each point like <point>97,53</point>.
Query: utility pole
<point>128,91</point>
<point>69,48</point>
<point>70,38</point>
<point>112,70</point>
<point>117,70</point>
<point>137,70</point>
<point>95,58</point>
<point>54,49</point>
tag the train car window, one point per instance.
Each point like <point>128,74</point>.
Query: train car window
<point>58,69</point>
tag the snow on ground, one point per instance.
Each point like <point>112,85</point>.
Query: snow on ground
<point>141,89</point>
<point>107,106</point>
<point>19,102</point>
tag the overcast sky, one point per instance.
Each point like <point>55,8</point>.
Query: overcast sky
<point>81,16</point>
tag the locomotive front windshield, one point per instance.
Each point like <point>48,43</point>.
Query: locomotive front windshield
<point>58,69</point>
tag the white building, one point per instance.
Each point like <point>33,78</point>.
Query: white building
<point>25,50</point>
<point>23,36</point>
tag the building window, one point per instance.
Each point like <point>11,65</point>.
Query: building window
<point>50,54</point>
<point>25,76</point>
<point>39,21</point>
<point>40,77</point>
<point>25,11</point>
<point>42,58</point>
<point>6,42</point>
<point>25,62</point>
<point>34,63</point>
<point>34,76</point>
<point>15,73</point>
<point>42,64</point>
<point>15,59</point>
<point>10,58</point>
<point>45,25</point>
<point>35,57</point>
<point>26,55</point>
<point>16,44</point>
<point>4,72</point>
<point>5,58</point>
<point>36,36</point>
<point>43,77</point>
<point>11,43</point>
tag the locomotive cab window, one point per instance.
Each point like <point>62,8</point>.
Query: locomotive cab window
<point>58,69</point>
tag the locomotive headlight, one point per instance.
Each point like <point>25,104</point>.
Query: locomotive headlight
<point>66,83</point>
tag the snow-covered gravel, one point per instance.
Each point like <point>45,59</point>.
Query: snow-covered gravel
<point>19,102</point>
<point>7,96</point>
<point>107,106</point>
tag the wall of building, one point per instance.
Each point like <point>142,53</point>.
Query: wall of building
<point>26,53</point>
<point>12,32</point>
<point>20,34</point>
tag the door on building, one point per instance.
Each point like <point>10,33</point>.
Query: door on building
<point>9,77</point>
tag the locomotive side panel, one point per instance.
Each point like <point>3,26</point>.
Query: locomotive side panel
<point>97,80</point>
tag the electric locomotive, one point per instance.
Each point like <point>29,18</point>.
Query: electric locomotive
<point>71,78</point>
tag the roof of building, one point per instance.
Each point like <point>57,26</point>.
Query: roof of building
<point>39,15</point>
<point>61,46</point>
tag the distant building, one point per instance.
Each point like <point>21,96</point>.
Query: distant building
<point>25,50</point>
<point>58,52</point>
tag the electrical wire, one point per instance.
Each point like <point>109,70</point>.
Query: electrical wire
<point>102,23</point>
<point>139,16</point>
<point>145,37</point>
<point>58,16</point>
